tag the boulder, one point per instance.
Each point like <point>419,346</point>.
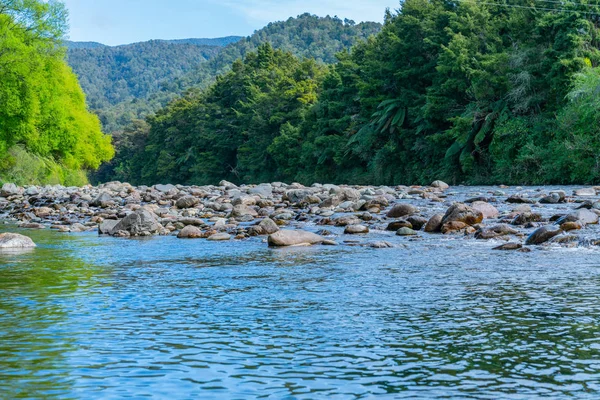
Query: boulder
<point>417,222</point>
<point>190,232</point>
<point>543,234</point>
<point>356,229</point>
<point>526,217</point>
<point>553,198</point>
<point>434,224</point>
<point>15,241</point>
<point>285,238</point>
<point>453,226</point>
<point>187,202</point>
<point>107,226</point>
<point>460,212</point>
<point>9,189</point>
<point>297,195</point>
<point>585,192</point>
<point>164,188</point>
<point>402,210</point>
<point>405,232</point>
<point>219,237</point>
<point>268,226</point>
<point>488,210</point>
<point>395,225</point>
<point>227,185</point>
<point>102,200</point>
<point>440,185</point>
<point>494,231</point>
<point>242,211</point>
<point>138,223</point>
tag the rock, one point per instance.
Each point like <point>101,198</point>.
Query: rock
<point>219,237</point>
<point>102,200</point>
<point>164,188</point>
<point>187,202</point>
<point>585,216</point>
<point>434,224</point>
<point>585,192</point>
<point>401,210</point>
<point>543,234</point>
<point>440,185</point>
<point>107,226</point>
<point>15,241</point>
<point>9,189</point>
<point>381,245</point>
<point>553,198</point>
<point>494,231</point>
<point>526,217</point>
<point>139,222</point>
<point>356,229</point>
<point>509,246</point>
<point>294,238</point>
<point>417,222</point>
<point>78,228</point>
<point>405,232</point>
<point>347,220</point>
<point>265,191</point>
<point>298,195</point>
<point>515,199</point>
<point>395,225</point>
<point>460,212</point>
<point>242,211</point>
<point>453,226</point>
<point>346,194</point>
<point>227,185</point>
<point>488,210</point>
<point>268,226</point>
<point>190,232</point>
<point>570,226</point>
<point>121,234</point>
<point>31,225</point>
<point>565,239</point>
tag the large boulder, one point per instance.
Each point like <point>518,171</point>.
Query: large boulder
<point>285,238</point>
<point>543,234</point>
<point>190,232</point>
<point>15,241</point>
<point>187,202</point>
<point>9,189</point>
<point>401,210</point>
<point>459,212</point>
<point>139,223</point>
<point>434,224</point>
<point>488,210</point>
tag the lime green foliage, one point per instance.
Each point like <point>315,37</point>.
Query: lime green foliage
<point>467,92</point>
<point>43,108</point>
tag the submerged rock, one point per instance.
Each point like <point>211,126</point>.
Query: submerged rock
<point>219,237</point>
<point>15,241</point>
<point>509,246</point>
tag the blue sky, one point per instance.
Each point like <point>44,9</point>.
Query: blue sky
<point>116,22</point>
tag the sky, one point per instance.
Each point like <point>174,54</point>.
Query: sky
<point>115,22</point>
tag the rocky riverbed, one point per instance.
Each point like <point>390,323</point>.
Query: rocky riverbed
<point>512,218</point>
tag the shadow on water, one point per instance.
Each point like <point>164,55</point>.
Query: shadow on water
<point>38,293</point>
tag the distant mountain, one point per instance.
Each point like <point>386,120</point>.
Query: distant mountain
<point>83,45</point>
<point>221,42</point>
<point>128,82</point>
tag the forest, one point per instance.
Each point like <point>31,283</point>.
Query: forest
<point>465,91</point>
<point>130,82</point>
<point>47,134</point>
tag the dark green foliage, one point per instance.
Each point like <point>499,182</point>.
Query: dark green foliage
<point>468,91</point>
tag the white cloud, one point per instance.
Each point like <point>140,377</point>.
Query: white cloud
<point>265,11</point>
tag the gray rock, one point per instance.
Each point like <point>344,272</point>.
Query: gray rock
<point>406,232</point>
<point>495,231</point>
<point>242,211</point>
<point>107,226</point>
<point>102,200</point>
<point>268,226</point>
<point>187,202</point>
<point>509,246</point>
<point>285,238</point>
<point>488,210</point>
<point>189,232</point>
<point>138,223</point>
<point>356,229</point>
<point>543,234</point>
<point>15,241</point>
<point>219,237</point>
<point>553,198</point>
<point>585,192</point>
<point>164,188</point>
<point>381,245</point>
<point>9,189</point>
<point>440,185</point>
<point>402,210</point>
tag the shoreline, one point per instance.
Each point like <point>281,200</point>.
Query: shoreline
<point>295,215</point>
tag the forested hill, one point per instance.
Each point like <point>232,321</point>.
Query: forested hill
<point>467,91</point>
<point>129,82</point>
<point>113,76</point>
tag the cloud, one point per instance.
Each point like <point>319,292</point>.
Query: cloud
<point>264,11</point>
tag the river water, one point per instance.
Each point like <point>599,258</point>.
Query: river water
<point>86,317</point>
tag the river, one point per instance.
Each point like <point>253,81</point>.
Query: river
<point>88,317</point>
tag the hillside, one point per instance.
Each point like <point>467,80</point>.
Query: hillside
<point>130,82</point>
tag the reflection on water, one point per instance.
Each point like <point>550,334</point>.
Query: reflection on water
<point>86,317</point>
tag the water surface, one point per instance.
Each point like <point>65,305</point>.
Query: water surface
<point>85,317</point>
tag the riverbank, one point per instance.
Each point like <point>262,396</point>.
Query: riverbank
<point>512,218</point>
